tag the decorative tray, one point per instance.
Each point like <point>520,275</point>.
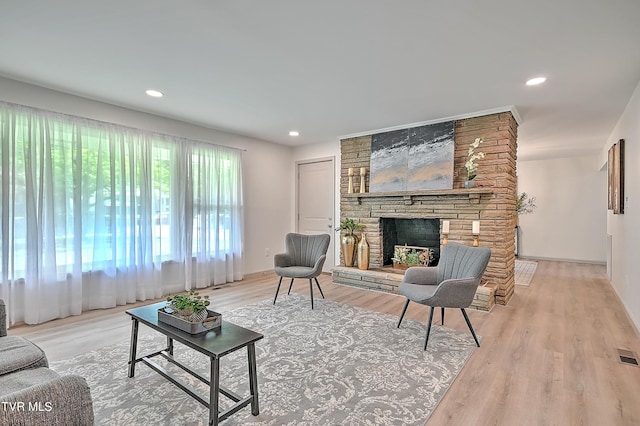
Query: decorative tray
<point>171,317</point>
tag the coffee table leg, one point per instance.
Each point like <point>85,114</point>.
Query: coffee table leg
<point>214,391</point>
<point>253,379</point>
<point>133,347</point>
<point>170,345</point>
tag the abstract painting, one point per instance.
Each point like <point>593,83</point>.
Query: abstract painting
<point>419,158</point>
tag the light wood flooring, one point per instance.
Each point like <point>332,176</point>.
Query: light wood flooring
<point>547,358</point>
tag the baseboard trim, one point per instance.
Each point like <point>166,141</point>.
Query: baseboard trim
<point>555,259</point>
<point>625,309</point>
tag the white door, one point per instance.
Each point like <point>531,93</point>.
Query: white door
<point>315,200</point>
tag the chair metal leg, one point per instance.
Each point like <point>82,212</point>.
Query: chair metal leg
<point>311,291</point>
<point>466,318</point>
<point>277,290</point>
<point>442,314</point>
<point>404,310</point>
<point>290,285</point>
<point>318,284</point>
<point>426,340</point>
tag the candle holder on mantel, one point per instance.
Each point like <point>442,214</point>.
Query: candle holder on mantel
<point>445,232</point>
<point>350,188</point>
<point>363,173</point>
<point>475,230</point>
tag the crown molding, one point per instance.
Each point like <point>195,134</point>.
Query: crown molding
<point>511,108</point>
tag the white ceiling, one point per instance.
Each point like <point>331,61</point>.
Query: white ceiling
<point>332,68</point>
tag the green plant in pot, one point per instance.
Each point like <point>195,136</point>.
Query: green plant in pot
<point>190,306</point>
<point>524,205</point>
<point>349,240</point>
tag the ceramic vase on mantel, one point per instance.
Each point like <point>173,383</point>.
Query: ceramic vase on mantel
<point>348,245</point>
<point>363,253</point>
<point>469,183</point>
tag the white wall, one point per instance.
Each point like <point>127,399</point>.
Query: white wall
<point>624,228</point>
<point>267,166</point>
<point>569,222</point>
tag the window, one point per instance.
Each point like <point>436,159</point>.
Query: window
<point>79,197</point>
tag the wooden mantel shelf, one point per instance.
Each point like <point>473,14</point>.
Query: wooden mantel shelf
<point>407,196</point>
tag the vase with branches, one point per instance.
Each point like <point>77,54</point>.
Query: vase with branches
<point>525,204</point>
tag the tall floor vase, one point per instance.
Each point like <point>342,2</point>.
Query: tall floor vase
<point>348,245</point>
<point>363,253</point>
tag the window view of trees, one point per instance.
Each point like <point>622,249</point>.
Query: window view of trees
<point>85,196</point>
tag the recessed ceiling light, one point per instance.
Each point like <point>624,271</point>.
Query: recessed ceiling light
<point>537,80</point>
<point>154,93</point>
<point>294,133</point>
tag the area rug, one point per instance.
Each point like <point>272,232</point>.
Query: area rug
<point>524,271</point>
<point>334,365</point>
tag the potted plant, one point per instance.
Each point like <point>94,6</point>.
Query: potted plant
<point>190,306</point>
<point>349,240</point>
<point>525,204</point>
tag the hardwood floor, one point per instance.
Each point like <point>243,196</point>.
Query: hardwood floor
<point>547,358</point>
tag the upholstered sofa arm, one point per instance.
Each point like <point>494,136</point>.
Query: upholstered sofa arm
<point>281,260</point>
<point>455,293</point>
<point>64,400</point>
<point>317,268</point>
<point>3,319</point>
<point>421,275</point>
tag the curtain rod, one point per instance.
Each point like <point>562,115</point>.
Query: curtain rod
<point>101,122</point>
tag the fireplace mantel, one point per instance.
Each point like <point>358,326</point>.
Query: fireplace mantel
<point>407,196</point>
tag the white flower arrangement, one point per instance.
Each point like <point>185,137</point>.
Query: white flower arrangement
<point>471,165</point>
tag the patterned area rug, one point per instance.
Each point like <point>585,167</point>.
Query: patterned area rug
<point>524,271</point>
<point>335,365</point>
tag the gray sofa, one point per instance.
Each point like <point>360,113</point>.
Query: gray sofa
<point>31,394</point>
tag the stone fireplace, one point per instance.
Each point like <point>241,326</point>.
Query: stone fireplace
<point>492,202</point>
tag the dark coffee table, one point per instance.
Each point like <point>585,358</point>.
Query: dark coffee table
<point>214,344</point>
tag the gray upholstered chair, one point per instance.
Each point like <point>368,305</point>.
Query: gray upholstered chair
<point>451,284</point>
<point>304,257</point>
<point>44,397</point>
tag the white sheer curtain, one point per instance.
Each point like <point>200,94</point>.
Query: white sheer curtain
<point>95,215</point>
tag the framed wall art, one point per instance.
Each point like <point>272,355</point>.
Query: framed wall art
<point>610,179</point>
<point>418,158</point>
<point>615,169</point>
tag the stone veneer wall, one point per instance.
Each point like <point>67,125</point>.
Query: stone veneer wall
<point>492,201</point>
